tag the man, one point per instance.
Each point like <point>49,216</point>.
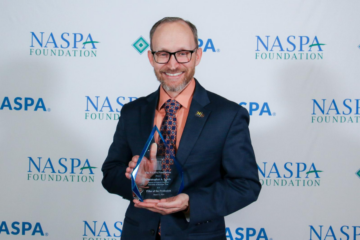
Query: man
<point>211,142</point>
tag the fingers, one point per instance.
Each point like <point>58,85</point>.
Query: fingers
<point>166,211</point>
<point>151,205</point>
<point>151,200</point>
<point>134,161</point>
<point>146,201</point>
<point>131,166</point>
<point>180,201</point>
<point>145,204</point>
<point>127,175</point>
<point>170,199</point>
<point>170,204</point>
<point>153,151</point>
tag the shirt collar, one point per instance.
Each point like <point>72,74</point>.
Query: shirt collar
<point>184,97</point>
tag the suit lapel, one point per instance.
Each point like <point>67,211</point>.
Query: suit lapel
<point>194,123</point>
<point>147,116</point>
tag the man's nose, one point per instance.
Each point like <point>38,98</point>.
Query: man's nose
<point>172,62</point>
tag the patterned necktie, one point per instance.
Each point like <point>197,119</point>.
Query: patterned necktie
<point>168,130</point>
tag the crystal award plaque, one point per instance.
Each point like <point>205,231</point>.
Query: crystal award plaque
<point>157,174</point>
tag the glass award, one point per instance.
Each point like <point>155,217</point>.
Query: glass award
<point>157,174</point>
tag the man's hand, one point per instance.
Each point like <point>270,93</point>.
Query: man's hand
<point>165,206</point>
<point>147,167</point>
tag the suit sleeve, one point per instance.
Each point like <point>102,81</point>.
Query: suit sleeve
<point>239,185</point>
<point>114,167</point>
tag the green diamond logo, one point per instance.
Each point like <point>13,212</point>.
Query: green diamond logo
<point>141,45</point>
<point>358,173</point>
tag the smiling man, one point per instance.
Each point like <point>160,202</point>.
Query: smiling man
<point>210,140</point>
<point>174,39</point>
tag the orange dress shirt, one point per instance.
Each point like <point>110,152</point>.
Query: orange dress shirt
<point>184,98</point>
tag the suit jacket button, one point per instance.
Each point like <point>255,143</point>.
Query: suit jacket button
<point>152,231</point>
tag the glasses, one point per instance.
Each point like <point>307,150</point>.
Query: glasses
<point>182,56</point>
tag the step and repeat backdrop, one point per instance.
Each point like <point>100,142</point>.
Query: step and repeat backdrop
<point>68,67</point>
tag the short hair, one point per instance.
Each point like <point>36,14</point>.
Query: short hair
<point>174,19</point>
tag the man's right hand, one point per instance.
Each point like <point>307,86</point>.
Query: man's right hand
<point>147,167</point>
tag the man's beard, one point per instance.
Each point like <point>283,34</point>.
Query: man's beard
<point>181,86</point>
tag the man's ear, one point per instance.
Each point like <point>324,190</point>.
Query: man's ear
<point>151,59</point>
<point>198,56</point>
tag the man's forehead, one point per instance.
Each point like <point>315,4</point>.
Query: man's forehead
<point>173,36</point>
<point>180,25</point>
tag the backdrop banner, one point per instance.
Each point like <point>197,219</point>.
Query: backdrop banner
<point>68,67</point>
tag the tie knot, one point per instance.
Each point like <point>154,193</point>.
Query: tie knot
<point>171,106</point>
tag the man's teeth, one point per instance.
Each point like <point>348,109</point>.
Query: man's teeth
<point>175,74</point>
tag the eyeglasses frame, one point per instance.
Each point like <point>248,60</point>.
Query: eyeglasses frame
<point>173,53</point>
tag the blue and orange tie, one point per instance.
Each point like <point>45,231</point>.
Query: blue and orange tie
<point>168,131</point>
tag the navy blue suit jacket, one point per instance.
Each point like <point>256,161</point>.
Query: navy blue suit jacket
<point>218,160</point>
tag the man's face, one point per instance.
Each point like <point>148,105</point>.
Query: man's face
<point>173,37</point>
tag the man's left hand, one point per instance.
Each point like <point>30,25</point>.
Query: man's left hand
<point>165,206</point>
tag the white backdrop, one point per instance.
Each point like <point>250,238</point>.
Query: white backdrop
<point>60,100</point>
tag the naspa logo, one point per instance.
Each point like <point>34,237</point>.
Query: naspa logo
<point>208,45</point>
<point>344,232</point>
<point>288,48</point>
<point>335,111</point>
<point>21,228</point>
<point>23,104</point>
<point>62,44</point>
<point>104,107</point>
<point>140,45</point>
<point>258,109</point>
<point>60,170</point>
<point>247,234</point>
<point>289,174</point>
<point>95,229</point>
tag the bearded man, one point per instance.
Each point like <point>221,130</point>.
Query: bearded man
<point>211,142</point>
